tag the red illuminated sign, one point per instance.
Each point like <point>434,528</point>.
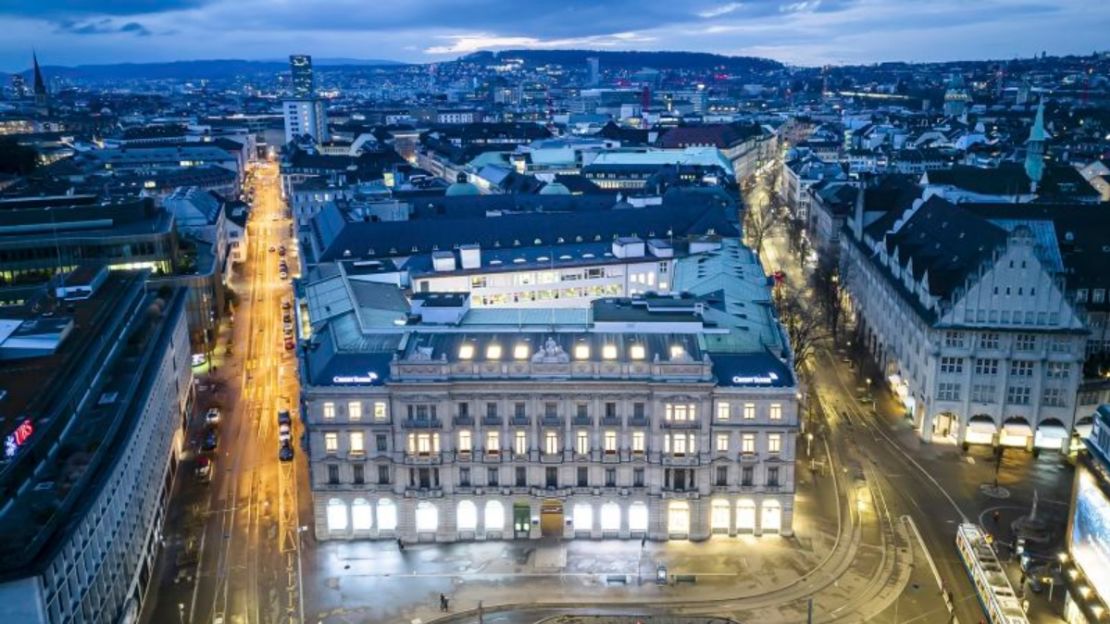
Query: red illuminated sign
<point>16,438</point>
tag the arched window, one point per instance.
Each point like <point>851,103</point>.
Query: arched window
<point>337,515</point>
<point>772,516</point>
<point>745,514</point>
<point>387,515</point>
<point>467,516</point>
<point>362,515</point>
<point>638,517</point>
<point>427,517</point>
<point>719,516</point>
<point>610,517</point>
<point>583,517</point>
<point>495,516</point>
<point>678,517</point>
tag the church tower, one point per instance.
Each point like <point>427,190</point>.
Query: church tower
<point>1034,149</point>
<point>41,97</point>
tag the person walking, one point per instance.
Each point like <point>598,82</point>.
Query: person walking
<point>442,602</point>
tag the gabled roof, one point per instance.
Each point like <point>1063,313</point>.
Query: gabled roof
<point>947,241</point>
<point>1009,179</point>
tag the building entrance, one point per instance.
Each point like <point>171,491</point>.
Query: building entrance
<point>551,518</point>
<point>522,520</point>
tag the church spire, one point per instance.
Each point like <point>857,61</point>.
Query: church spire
<point>1034,148</point>
<point>40,84</point>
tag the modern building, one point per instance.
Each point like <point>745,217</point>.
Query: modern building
<point>94,391</point>
<point>305,117</point>
<point>969,321</point>
<point>300,67</point>
<point>1086,568</point>
<point>666,417</point>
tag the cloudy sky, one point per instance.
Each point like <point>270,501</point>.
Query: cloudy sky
<point>808,32</point>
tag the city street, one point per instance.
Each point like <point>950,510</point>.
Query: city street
<point>938,485</point>
<point>232,544</point>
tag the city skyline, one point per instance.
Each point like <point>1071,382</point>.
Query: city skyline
<point>811,32</point>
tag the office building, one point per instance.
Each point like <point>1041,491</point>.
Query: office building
<point>95,383</point>
<point>670,417</point>
<point>1086,563</point>
<point>300,67</point>
<point>305,119</point>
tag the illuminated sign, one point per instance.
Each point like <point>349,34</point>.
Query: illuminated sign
<point>1090,533</point>
<point>16,438</point>
<point>368,378</point>
<point>761,380</point>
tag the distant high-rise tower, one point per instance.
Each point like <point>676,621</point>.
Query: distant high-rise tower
<point>301,67</point>
<point>41,96</point>
<point>956,97</point>
<point>1034,148</point>
<point>595,70</point>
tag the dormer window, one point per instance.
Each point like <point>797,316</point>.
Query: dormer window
<point>582,352</point>
<point>637,352</point>
<point>520,352</point>
<point>493,352</point>
<point>609,352</point>
<point>466,352</point>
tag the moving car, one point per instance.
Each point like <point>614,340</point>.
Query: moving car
<point>285,453</point>
<point>211,439</point>
<point>213,414</point>
<point>203,470</point>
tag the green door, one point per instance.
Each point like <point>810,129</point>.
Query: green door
<point>522,520</point>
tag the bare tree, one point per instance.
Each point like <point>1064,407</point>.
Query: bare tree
<point>803,326</point>
<point>826,283</point>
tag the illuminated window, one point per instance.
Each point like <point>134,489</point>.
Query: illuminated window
<point>609,352</point>
<point>387,515</point>
<point>520,352</point>
<point>354,410</point>
<point>465,442</point>
<point>329,410</point>
<point>749,411</point>
<point>551,443</point>
<point>495,516</point>
<point>638,441</point>
<point>723,411</point>
<point>722,442</point>
<point>637,352</point>
<point>610,441</point>
<point>747,443</point>
<point>337,515</point>
<point>493,352</point>
<point>582,352</point>
<point>331,442</point>
<point>581,442</point>
<point>774,442</point>
<point>466,517</point>
<point>379,410</point>
<point>520,442</point>
<point>466,352</point>
<point>677,352</point>
<point>776,411</point>
<point>493,441</point>
<point>357,445</point>
<point>679,412</point>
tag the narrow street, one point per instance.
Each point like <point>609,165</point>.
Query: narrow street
<point>232,544</point>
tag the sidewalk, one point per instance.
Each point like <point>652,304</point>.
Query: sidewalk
<point>374,582</point>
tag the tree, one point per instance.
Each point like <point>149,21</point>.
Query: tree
<point>827,283</point>
<point>802,324</point>
<point>17,158</point>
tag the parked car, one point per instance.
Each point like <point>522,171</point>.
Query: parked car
<point>285,453</point>
<point>284,417</point>
<point>281,250</point>
<point>286,318</point>
<point>272,248</point>
<point>289,344</point>
<point>285,304</point>
<point>204,469</point>
<point>284,275</point>
<point>212,416</point>
<point>211,439</point>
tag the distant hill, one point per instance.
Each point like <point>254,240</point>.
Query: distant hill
<point>193,70</point>
<point>696,61</point>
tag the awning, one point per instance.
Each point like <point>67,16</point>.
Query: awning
<point>981,426</point>
<point>1017,429</point>
<point>1052,430</point>
<point>1084,430</point>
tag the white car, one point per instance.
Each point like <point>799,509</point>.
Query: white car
<point>212,415</point>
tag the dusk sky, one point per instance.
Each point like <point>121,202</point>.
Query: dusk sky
<point>807,32</point>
